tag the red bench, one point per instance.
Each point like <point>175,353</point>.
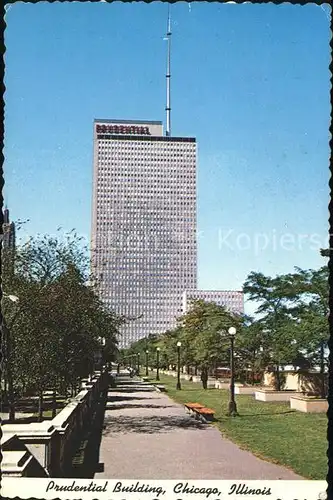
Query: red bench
<point>199,410</point>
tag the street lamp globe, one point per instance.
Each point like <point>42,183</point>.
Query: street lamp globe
<point>157,348</point>
<point>13,298</point>
<point>232,331</point>
<point>179,344</point>
<point>147,351</point>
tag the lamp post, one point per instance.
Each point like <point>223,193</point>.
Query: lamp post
<point>138,363</point>
<point>178,387</point>
<point>8,360</point>
<point>232,403</point>
<point>147,362</point>
<point>322,372</point>
<point>157,363</point>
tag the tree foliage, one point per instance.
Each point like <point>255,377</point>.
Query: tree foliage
<point>289,327</point>
<point>55,329</point>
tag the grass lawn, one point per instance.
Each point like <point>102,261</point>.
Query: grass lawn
<point>48,413</point>
<point>269,430</point>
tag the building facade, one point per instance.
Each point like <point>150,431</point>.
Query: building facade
<point>233,300</point>
<point>143,223</point>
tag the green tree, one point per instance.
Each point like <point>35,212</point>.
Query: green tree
<point>58,324</point>
<point>204,330</point>
<point>252,348</point>
<point>293,311</point>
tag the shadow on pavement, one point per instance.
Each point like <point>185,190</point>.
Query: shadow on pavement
<point>127,398</point>
<point>124,406</point>
<point>134,389</point>
<point>149,425</point>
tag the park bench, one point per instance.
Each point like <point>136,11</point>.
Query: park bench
<point>199,410</point>
<point>160,388</point>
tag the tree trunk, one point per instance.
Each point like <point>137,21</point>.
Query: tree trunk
<point>40,406</point>
<point>54,403</point>
<point>196,370</point>
<point>278,381</point>
<point>253,372</point>
<point>204,377</point>
<point>10,395</point>
<point>4,392</point>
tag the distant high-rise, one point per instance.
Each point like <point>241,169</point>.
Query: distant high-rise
<point>8,231</point>
<point>143,223</point>
<point>233,300</point>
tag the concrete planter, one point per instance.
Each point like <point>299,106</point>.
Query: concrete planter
<point>196,378</point>
<point>211,383</point>
<point>222,385</point>
<point>187,377</point>
<point>183,377</point>
<point>308,404</point>
<point>271,395</point>
<point>239,389</point>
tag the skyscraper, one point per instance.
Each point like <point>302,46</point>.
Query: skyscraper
<point>143,223</point>
<point>8,243</point>
<point>8,231</point>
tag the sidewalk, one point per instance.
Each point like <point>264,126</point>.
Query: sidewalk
<point>148,436</point>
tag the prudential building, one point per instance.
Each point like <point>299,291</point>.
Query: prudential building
<point>143,223</point>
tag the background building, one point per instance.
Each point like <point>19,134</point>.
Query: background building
<point>8,229</point>
<point>143,223</point>
<point>233,300</point>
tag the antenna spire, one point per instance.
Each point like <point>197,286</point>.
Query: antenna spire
<point>168,77</point>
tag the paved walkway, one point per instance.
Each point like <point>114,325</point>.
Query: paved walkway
<point>146,435</point>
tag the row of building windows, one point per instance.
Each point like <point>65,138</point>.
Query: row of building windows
<point>146,145</point>
<point>137,176</point>
<point>162,141</point>
<point>118,152</point>
<point>134,168</point>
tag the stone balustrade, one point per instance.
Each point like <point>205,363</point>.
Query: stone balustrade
<point>52,443</point>
<point>18,460</point>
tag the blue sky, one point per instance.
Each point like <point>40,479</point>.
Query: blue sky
<point>250,82</point>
